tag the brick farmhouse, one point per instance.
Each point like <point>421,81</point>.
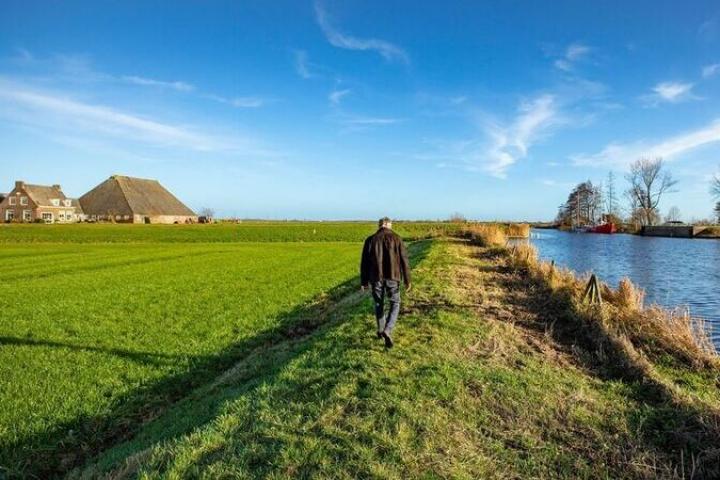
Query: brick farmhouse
<point>29,203</point>
<point>118,199</point>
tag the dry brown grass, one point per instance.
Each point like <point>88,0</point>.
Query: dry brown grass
<point>486,234</point>
<point>518,230</point>
<point>654,330</point>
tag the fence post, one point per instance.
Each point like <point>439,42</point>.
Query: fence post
<point>592,291</point>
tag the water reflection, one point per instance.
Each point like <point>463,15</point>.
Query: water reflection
<point>674,272</point>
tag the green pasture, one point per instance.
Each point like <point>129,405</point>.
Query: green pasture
<point>216,233</point>
<point>96,338</point>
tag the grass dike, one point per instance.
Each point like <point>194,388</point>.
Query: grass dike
<point>500,371</point>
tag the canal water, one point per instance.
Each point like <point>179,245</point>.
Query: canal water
<point>674,272</point>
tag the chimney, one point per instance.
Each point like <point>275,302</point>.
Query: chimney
<point>19,184</point>
<point>57,187</point>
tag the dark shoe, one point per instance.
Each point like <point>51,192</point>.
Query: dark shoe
<point>380,334</point>
<point>388,340</point>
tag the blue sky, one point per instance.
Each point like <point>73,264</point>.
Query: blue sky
<point>356,109</point>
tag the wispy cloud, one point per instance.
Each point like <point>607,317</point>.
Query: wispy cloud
<point>59,113</point>
<point>670,92</point>
<point>302,66</point>
<point>573,53</point>
<point>360,120</point>
<point>708,30</point>
<point>389,51</point>
<point>149,82</point>
<point>622,154</point>
<point>509,143</point>
<point>336,96</point>
<point>70,69</point>
<point>501,145</point>
<point>710,70</point>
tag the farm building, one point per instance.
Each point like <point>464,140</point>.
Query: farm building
<point>28,203</point>
<point>134,200</point>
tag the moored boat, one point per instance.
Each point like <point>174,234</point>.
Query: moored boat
<point>604,228</point>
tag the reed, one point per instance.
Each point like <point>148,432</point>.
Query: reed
<point>486,234</point>
<point>654,330</point>
<point>518,230</point>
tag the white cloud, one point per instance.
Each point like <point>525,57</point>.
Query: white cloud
<point>710,70</point>
<point>389,51</point>
<point>238,102</point>
<point>671,92</point>
<point>301,64</point>
<point>502,145</point>
<point>622,154</point>
<point>148,82</point>
<point>247,102</point>
<point>368,121</point>
<point>573,53</point>
<point>336,96</point>
<point>59,114</point>
<point>576,51</point>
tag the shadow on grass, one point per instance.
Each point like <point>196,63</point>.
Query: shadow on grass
<point>140,357</point>
<point>687,434</point>
<point>55,452</point>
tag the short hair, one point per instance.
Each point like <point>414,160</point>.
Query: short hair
<point>384,221</point>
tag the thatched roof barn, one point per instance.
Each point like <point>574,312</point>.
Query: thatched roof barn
<point>134,200</point>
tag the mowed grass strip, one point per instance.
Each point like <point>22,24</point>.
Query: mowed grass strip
<point>217,233</point>
<point>95,339</point>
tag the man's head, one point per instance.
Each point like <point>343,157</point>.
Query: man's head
<point>385,222</point>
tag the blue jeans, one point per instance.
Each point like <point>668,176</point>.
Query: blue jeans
<point>391,290</point>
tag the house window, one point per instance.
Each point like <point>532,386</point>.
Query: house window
<point>12,200</point>
<point>27,215</point>
<point>55,202</point>
<point>47,217</point>
<point>23,200</point>
<point>68,203</point>
<point>9,215</point>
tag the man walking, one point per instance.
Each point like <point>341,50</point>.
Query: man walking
<point>383,266</point>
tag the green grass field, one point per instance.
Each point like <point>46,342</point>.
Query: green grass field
<point>95,337</point>
<point>146,356</point>
<point>252,231</point>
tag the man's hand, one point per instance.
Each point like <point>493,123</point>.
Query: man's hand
<point>363,288</point>
<point>408,287</point>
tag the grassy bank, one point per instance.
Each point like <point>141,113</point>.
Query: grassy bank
<point>496,374</point>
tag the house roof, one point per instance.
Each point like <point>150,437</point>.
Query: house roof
<point>41,194</point>
<point>76,204</point>
<point>121,195</point>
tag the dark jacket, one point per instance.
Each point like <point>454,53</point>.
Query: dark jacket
<point>384,257</point>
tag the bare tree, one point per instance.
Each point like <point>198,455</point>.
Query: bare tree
<point>715,186</point>
<point>583,206</point>
<point>207,214</point>
<point>457,217</point>
<point>648,183</point>
<point>673,215</point>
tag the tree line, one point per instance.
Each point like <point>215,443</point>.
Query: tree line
<point>648,180</point>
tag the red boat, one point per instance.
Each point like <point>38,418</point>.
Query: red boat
<point>604,228</point>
